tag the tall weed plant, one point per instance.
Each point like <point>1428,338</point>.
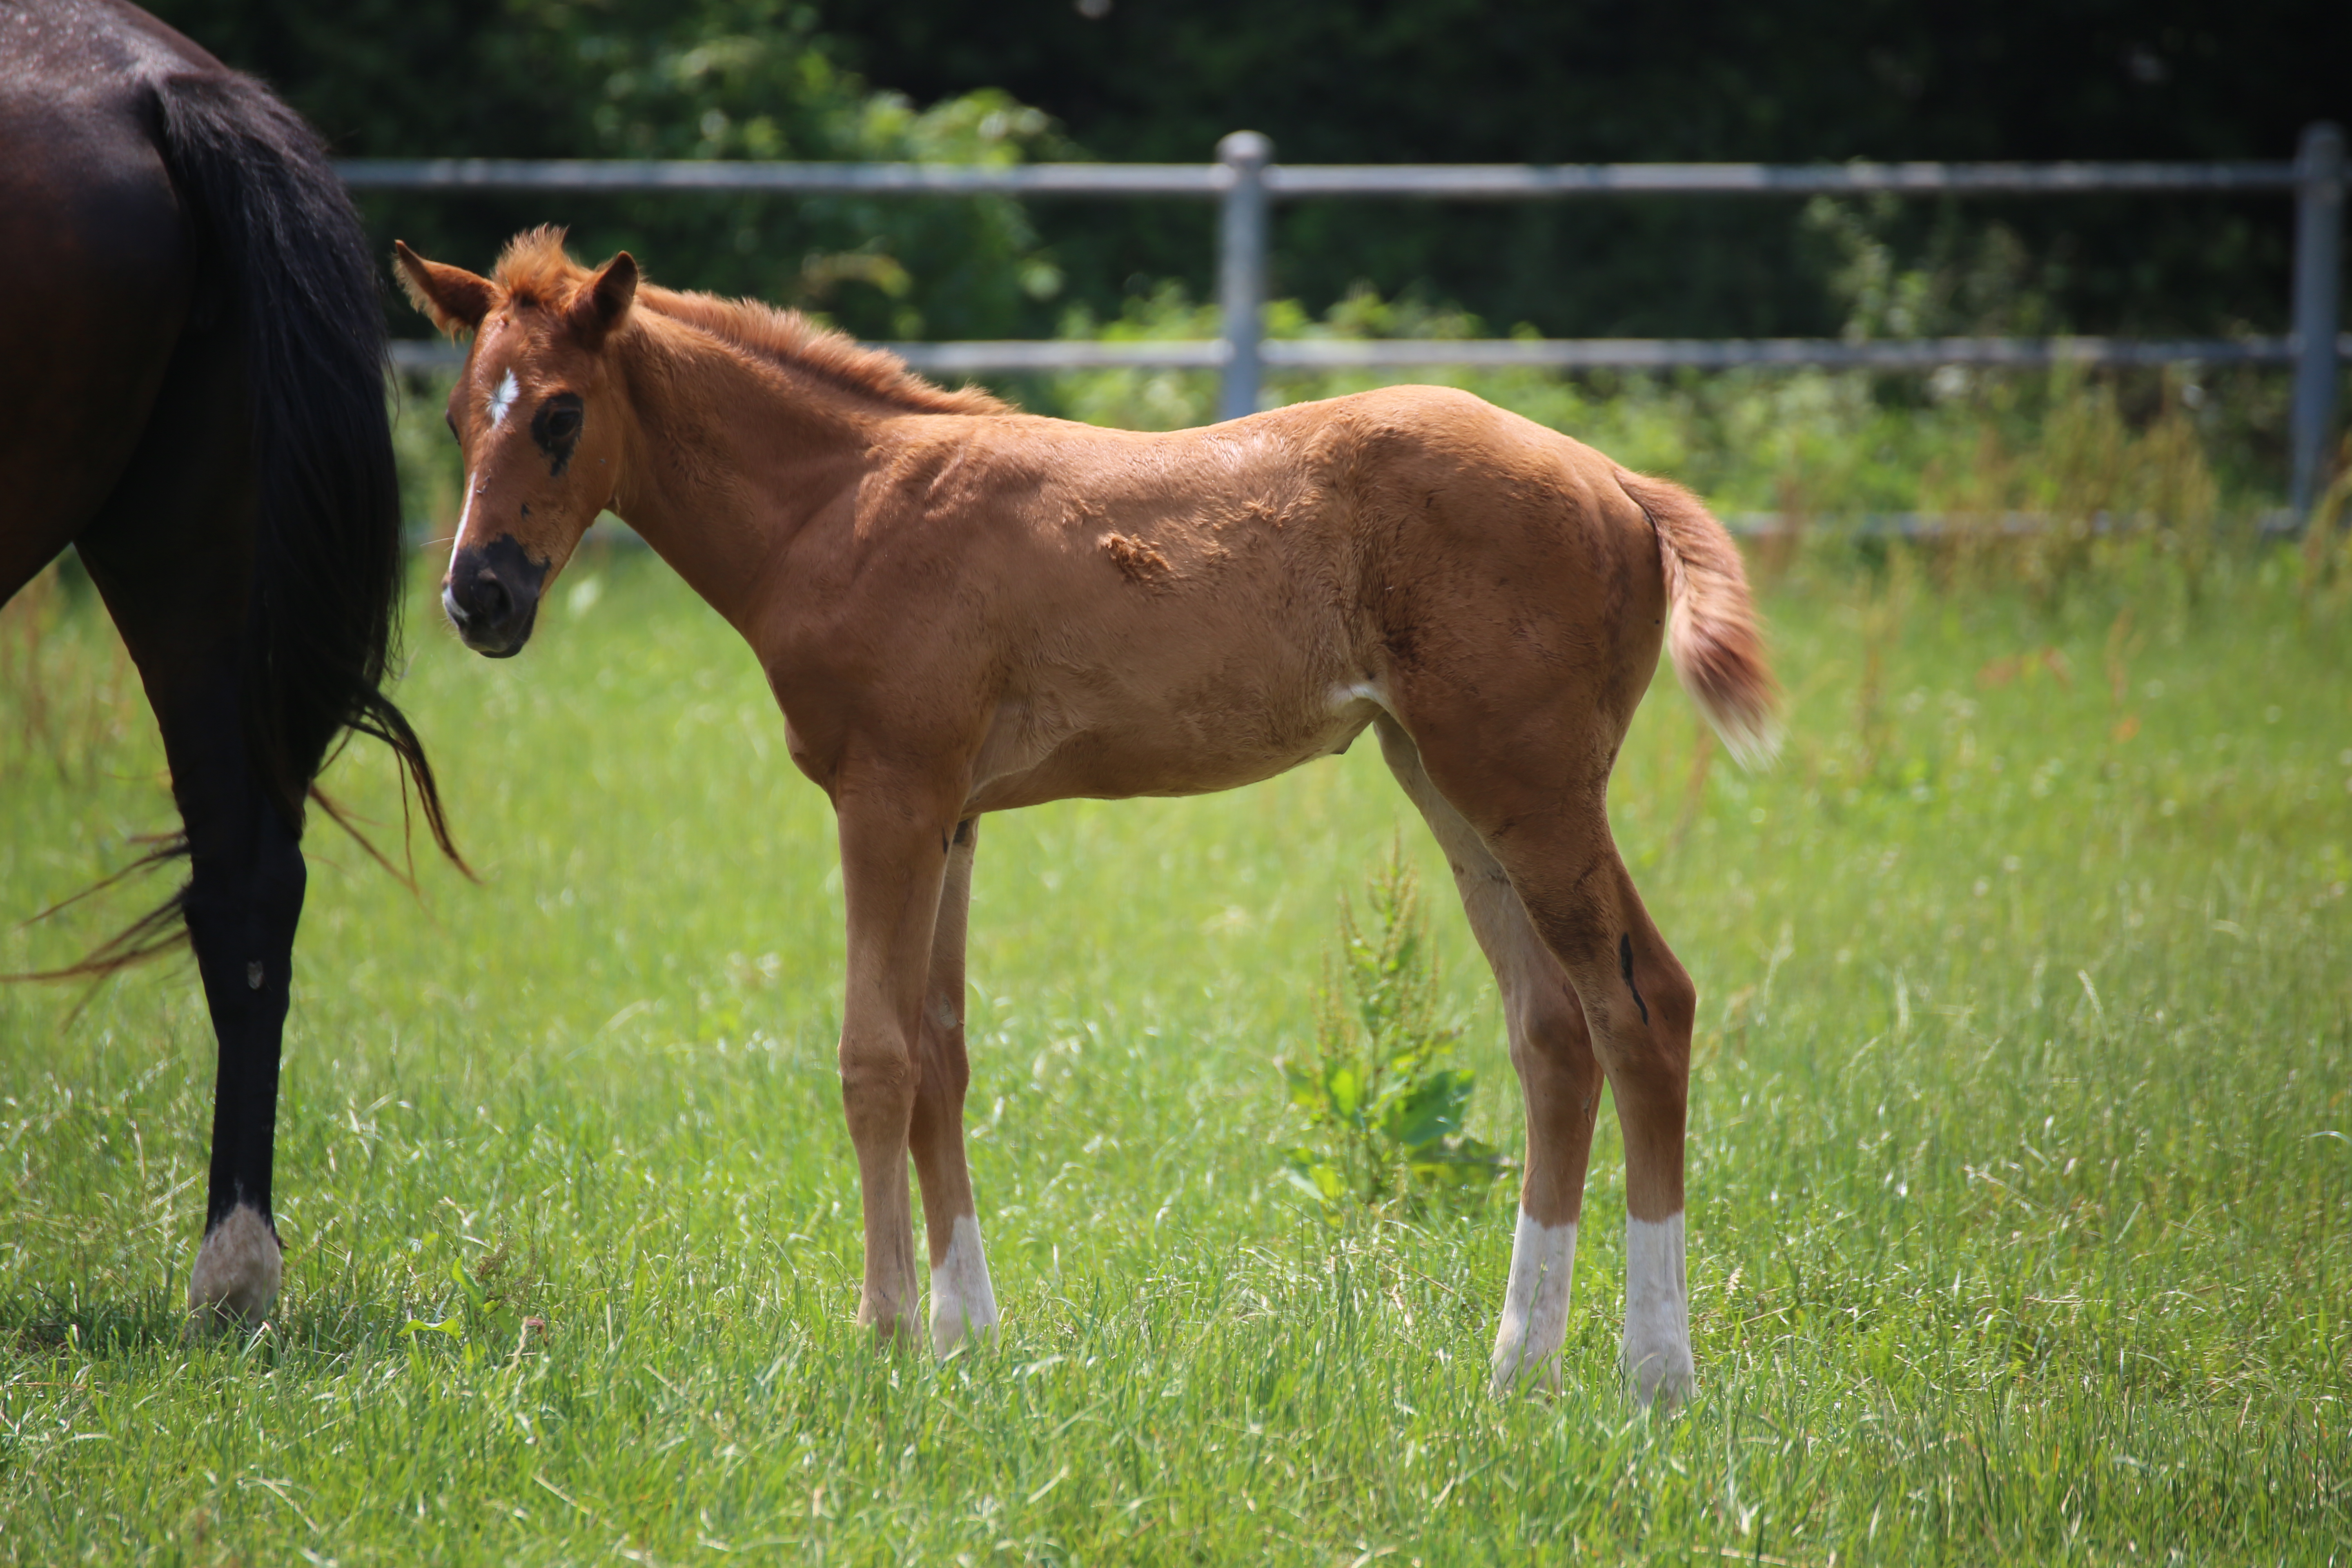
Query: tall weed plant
<point>1383,1096</point>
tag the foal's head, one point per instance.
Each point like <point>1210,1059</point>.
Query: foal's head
<point>537,418</point>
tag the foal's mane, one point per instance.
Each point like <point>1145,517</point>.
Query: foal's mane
<point>535,270</point>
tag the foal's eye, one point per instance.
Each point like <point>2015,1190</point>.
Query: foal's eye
<point>556,428</point>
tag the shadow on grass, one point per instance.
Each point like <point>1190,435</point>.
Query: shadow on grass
<point>102,1329</point>
<point>44,1324</point>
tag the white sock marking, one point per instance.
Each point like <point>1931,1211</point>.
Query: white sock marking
<point>503,399</point>
<point>1657,1310</point>
<point>1535,1304</point>
<point>961,1296</point>
<point>237,1271</point>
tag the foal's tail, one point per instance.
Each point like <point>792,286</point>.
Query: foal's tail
<point>1711,630</point>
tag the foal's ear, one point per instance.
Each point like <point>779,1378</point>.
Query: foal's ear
<point>453,297</point>
<point>598,308</point>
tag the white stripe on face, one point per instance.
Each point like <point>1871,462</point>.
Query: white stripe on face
<point>1657,1310</point>
<point>503,399</point>
<point>448,601</point>
<point>1535,1305</point>
<point>961,1296</point>
<point>465,514</point>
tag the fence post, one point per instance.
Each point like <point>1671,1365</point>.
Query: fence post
<point>1241,269</point>
<point>2318,259</point>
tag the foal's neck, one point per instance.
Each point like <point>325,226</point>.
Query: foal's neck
<point>729,458</point>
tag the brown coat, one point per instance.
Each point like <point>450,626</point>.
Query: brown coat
<point>964,609</point>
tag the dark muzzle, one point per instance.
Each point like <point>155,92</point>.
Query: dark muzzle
<point>491,596</point>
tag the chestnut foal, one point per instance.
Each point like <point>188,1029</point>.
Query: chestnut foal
<point>963,609</point>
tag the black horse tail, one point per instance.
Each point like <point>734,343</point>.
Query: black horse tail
<point>278,235</point>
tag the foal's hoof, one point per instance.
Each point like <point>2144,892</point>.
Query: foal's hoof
<point>1661,1378</point>
<point>892,1331</point>
<point>238,1272</point>
<point>953,1332</point>
<point>1517,1369</point>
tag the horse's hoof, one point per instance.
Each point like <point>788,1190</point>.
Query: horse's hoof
<point>964,1301</point>
<point>1662,1378</point>
<point>960,1332</point>
<point>238,1272</point>
<point>891,1330</point>
<point>1517,1373</point>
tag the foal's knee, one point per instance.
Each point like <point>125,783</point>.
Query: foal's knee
<point>877,1084</point>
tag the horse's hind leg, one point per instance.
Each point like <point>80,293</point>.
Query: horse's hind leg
<point>963,1299</point>
<point>170,553</point>
<point>1551,833</point>
<point>1638,1003</point>
<point>244,901</point>
<point>1560,1081</point>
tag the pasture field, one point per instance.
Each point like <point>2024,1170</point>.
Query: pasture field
<point>2020,1168</point>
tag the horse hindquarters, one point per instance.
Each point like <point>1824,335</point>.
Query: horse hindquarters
<point>127,433</point>
<point>96,272</point>
<point>1535,640</point>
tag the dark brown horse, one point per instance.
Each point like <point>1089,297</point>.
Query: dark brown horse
<point>193,398</point>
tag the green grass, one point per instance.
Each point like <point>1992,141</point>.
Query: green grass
<point>2021,1192</point>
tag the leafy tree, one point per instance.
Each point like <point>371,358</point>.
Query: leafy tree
<point>662,79</point>
<point>1543,81</point>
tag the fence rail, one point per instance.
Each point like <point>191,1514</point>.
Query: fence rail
<point>1046,356</point>
<point>1444,182</point>
<point>1245,181</point>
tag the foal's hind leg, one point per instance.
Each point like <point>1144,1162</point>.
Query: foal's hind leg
<point>1539,805</point>
<point>1638,1003</point>
<point>963,1299</point>
<point>1560,1081</point>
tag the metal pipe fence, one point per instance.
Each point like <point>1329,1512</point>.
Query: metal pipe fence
<point>1245,182</point>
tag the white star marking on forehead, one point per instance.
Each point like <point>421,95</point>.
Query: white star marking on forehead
<point>503,399</point>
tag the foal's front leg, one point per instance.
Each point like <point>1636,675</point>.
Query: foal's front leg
<point>894,850</point>
<point>962,1299</point>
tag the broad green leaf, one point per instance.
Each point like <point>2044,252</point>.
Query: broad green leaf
<point>1433,1108</point>
<point>1346,1090</point>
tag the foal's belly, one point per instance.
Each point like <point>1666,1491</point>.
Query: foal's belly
<point>1046,748</point>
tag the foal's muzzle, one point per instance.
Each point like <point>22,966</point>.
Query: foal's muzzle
<point>491,596</point>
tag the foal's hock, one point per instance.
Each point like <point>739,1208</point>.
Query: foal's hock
<point>962,609</point>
